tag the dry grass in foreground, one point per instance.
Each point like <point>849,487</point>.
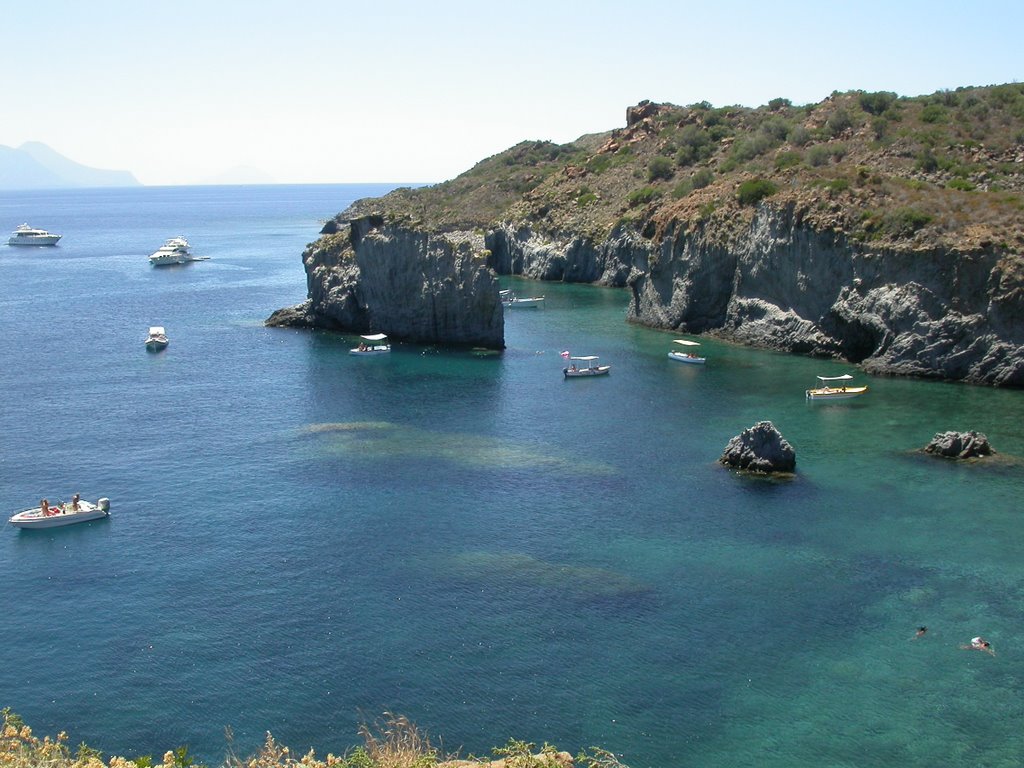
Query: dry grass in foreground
<point>393,743</point>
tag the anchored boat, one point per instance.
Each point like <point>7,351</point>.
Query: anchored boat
<point>372,344</point>
<point>68,513</point>
<point>682,356</point>
<point>587,366</point>
<point>827,390</point>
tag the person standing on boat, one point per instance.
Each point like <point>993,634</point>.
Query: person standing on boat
<point>44,505</point>
<point>74,502</point>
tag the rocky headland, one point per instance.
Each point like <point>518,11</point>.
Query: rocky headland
<point>883,230</point>
<point>366,275</point>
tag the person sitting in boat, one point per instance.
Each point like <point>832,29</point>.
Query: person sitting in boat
<point>74,503</point>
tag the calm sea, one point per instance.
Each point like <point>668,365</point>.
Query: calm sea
<point>302,540</point>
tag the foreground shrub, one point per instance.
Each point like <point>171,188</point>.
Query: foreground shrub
<point>394,742</point>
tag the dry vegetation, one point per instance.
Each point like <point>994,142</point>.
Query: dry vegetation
<point>944,170</point>
<point>394,742</point>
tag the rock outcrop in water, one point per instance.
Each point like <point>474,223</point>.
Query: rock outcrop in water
<point>761,448</point>
<point>402,281</point>
<point>959,445</point>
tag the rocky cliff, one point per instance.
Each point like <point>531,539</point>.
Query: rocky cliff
<point>769,280</point>
<point>884,230</point>
<point>367,275</point>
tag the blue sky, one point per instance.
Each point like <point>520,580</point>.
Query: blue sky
<point>336,91</point>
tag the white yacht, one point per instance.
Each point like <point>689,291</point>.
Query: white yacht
<point>174,251</point>
<point>157,338</point>
<point>26,235</point>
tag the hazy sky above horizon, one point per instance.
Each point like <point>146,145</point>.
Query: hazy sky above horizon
<point>312,91</point>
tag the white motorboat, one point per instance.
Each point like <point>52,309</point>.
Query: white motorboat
<point>67,513</point>
<point>372,344</point>
<point>828,391</point>
<point>157,338</point>
<point>587,366</point>
<point>681,356</point>
<point>509,299</point>
<point>174,251</point>
<point>26,235</point>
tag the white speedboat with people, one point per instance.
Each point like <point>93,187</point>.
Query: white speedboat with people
<point>63,513</point>
<point>372,344</point>
<point>585,365</point>
<point>684,356</point>
<point>830,388</point>
<point>509,299</point>
<point>175,251</point>
<point>23,234</point>
<point>157,338</point>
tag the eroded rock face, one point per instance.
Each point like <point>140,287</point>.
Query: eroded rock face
<point>407,283</point>
<point>959,445</point>
<point>776,283</point>
<point>761,448</point>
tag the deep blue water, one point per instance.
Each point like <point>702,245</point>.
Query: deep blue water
<point>302,539</point>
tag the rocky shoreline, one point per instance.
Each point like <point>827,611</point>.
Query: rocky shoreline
<point>778,284</point>
<point>856,244</point>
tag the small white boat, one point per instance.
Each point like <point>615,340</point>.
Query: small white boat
<point>68,513</point>
<point>587,366</point>
<point>26,235</point>
<point>174,251</point>
<point>828,391</point>
<point>681,356</point>
<point>157,338</point>
<point>509,299</point>
<point>372,344</point>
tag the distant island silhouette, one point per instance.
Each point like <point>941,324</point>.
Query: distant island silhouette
<point>34,165</point>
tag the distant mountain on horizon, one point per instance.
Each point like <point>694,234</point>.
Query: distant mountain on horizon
<point>34,165</point>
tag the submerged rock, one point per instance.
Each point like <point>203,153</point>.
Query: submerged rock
<point>761,448</point>
<point>959,445</point>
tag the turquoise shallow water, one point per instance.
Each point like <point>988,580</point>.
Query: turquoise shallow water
<point>302,539</point>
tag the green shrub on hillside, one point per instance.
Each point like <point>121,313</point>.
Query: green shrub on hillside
<point>818,155</point>
<point>694,144</point>
<point>702,178</point>
<point>682,189</point>
<point>799,136</point>
<point>753,191</point>
<point>659,168</point>
<point>642,196</point>
<point>961,184</point>
<point>787,160</point>
<point>746,149</point>
<point>903,222</point>
<point>838,122</point>
<point>876,103</point>
<point>933,113</point>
